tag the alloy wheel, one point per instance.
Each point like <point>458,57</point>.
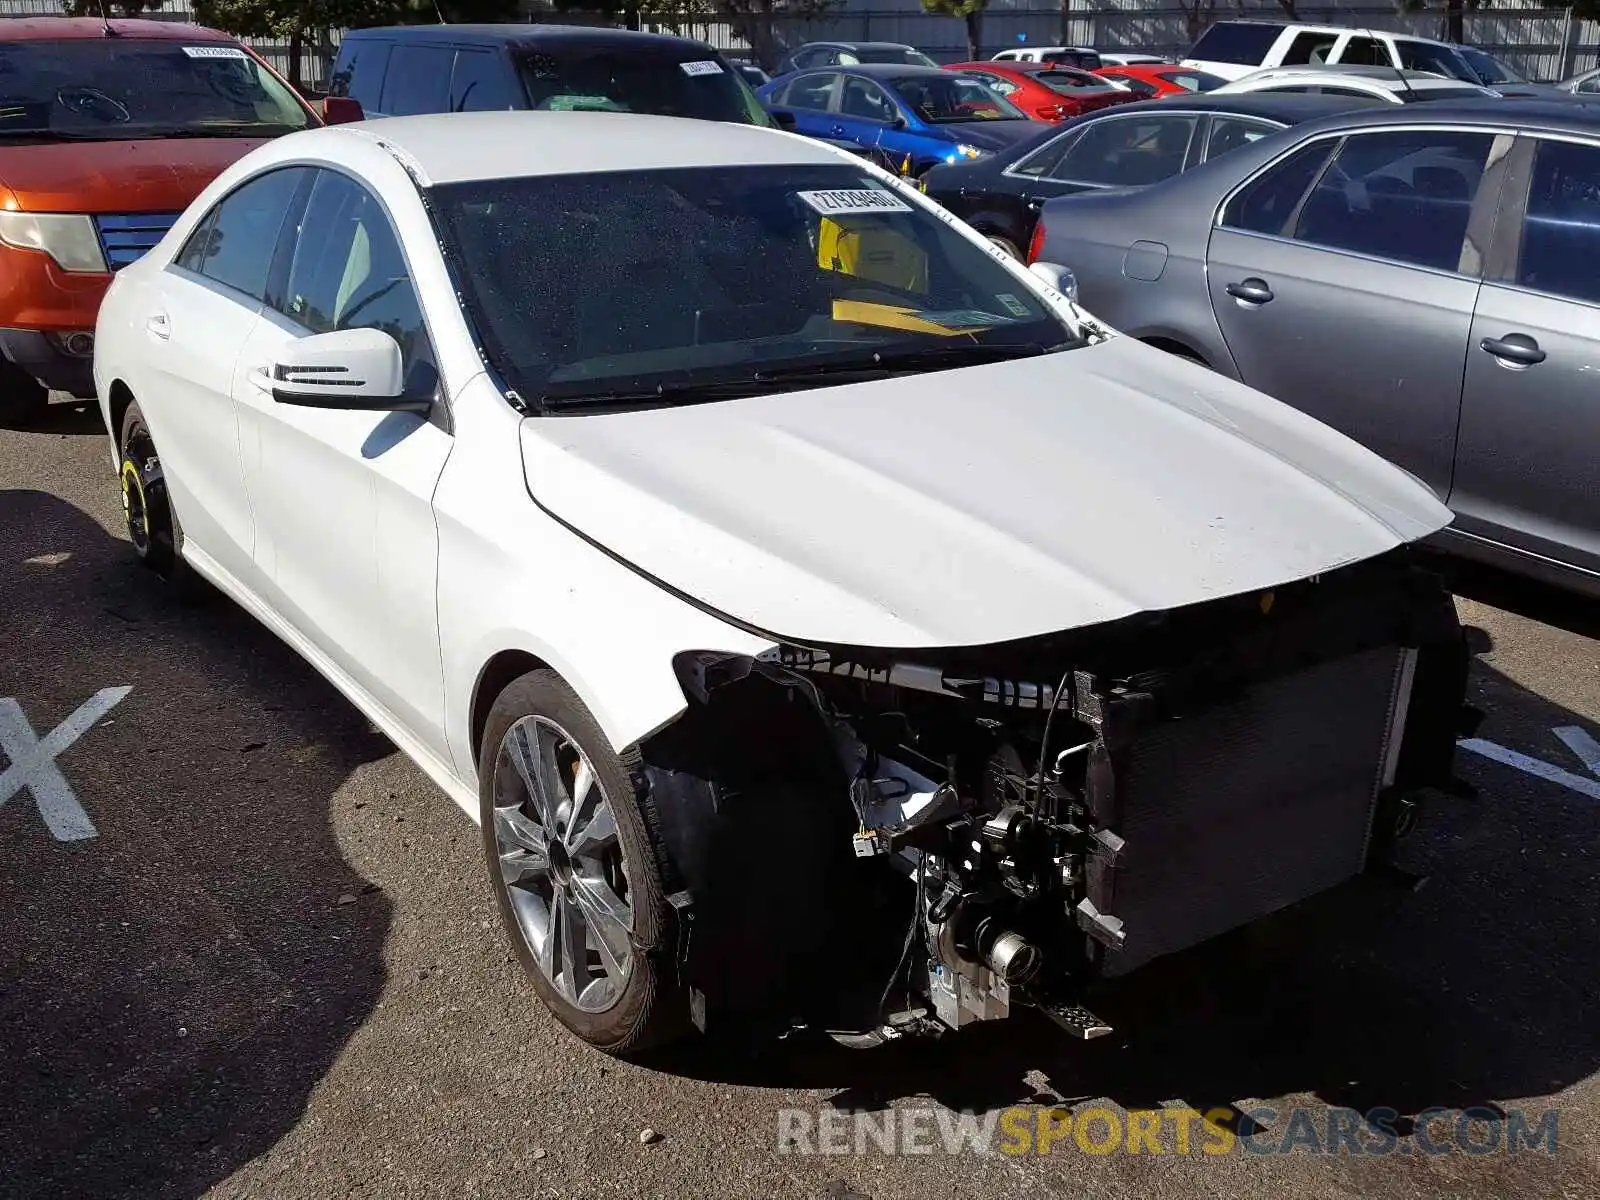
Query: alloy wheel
<point>562,865</point>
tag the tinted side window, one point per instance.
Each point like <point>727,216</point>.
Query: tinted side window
<point>1128,151</point>
<point>348,272</point>
<point>1308,47</point>
<point>1365,52</point>
<point>1265,204</point>
<point>236,243</point>
<point>1233,133</point>
<point>1232,42</point>
<point>1561,234</point>
<point>418,81</point>
<point>1042,163</point>
<point>1138,87</point>
<point>810,92</point>
<point>358,72</point>
<point>1402,196</point>
<point>865,100</point>
<point>478,83</point>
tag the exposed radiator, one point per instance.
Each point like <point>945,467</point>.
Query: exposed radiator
<point>1254,803</point>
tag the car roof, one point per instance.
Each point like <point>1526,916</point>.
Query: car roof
<point>859,45</point>
<point>1358,70</point>
<point>35,29</point>
<point>882,70</point>
<point>461,147</point>
<point>523,35</point>
<point>1014,67</point>
<point>1288,107</point>
<point>1526,115</point>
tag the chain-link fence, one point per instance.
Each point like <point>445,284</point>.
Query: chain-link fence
<point>1543,43</point>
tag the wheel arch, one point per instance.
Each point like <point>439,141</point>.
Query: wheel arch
<point>118,401</point>
<point>1176,346</point>
<point>493,678</point>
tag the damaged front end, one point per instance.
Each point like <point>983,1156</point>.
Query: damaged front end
<point>863,839</point>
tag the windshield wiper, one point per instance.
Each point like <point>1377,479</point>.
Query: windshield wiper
<point>769,379</point>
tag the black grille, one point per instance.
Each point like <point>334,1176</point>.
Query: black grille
<point>125,237</point>
<point>1251,805</point>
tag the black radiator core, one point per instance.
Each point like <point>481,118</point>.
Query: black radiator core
<point>1251,804</point>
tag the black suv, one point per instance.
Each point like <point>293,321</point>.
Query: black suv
<point>403,70</point>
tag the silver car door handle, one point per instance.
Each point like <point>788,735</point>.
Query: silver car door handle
<point>261,379</point>
<point>1250,291</point>
<point>159,326</point>
<point>1515,350</point>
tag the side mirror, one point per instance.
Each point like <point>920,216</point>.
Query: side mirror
<point>341,110</point>
<point>359,369</point>
<point>785,119</point>
<point>899,122</point>
<point>1059,277</point>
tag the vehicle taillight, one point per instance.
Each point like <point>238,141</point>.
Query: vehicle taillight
<point>1051,112</point>
<point>1036,242</point>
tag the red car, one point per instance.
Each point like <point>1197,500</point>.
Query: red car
<point>1045,91</point>
<point>1151,80</point>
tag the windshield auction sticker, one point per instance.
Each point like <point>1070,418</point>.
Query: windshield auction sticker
<point>706,66</point>
<point>854,200</point>
<point>213,52</point>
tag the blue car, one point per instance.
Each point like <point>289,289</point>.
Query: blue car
<point>917,117</point>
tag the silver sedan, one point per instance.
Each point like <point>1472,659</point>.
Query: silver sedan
<point>1421,277</point>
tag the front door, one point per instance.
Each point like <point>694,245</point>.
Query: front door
<point>344,499</point>
<point>201,311</point>
<point>1344,277</point>
<point>1530,409</point>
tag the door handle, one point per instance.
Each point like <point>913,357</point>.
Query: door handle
<point>260,378</point>
<point>1250,291</point>
<point>159,326</point>
<point>1515,350</point>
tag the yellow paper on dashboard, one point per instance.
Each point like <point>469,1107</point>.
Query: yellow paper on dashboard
<point>868,250</point>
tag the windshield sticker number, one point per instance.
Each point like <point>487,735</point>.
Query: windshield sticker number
<point>1017,307</point>
<point>854,200</point>
<point>214,52</point>
<point>706,66</point>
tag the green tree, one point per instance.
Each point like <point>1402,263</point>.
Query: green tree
<point>970,12</point>
<point>112,8</point>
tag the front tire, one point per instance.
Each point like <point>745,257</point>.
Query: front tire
<point>574,867</point>
<point>1001,243</point>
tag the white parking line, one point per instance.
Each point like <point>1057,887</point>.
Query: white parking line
<point>33,762</point>
<point>1579,742</point>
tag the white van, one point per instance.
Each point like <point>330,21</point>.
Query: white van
<point>1082,57</point>
<point>1234,49</point>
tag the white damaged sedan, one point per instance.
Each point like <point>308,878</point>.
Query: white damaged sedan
<point>826,620</point>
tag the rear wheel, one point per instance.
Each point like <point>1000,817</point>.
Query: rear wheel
<point>23,398</point>
<point>1005,244</point>
<point>152,524</point>
<point>573,862</point>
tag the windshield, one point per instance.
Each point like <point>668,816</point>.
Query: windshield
<point>1420,95</point>
<point>653,286</point>
<point>945,99</point>
<point>655,81</point>
<point>1490,69</point>
<point>111,89</point>
<point>903,56</point>
<point>1441,60</point>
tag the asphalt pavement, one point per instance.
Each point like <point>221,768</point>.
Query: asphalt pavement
<point>247,949</point>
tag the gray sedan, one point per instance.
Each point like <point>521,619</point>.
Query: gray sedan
<point>1426,279</point>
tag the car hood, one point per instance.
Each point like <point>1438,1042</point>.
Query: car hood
<point>992,135</point>
<point>142,175</point>
<point>979,505</point>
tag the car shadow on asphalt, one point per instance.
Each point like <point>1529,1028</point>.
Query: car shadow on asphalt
<point>1468,993</point>
<point>173,988</point>
<point>69,416</point>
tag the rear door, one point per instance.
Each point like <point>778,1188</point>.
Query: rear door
<point>1530,411</point>
<point>1344,276</point>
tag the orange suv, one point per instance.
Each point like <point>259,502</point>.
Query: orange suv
<point>108,129</point>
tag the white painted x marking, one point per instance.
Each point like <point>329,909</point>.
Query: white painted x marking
<point>33,762</point>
